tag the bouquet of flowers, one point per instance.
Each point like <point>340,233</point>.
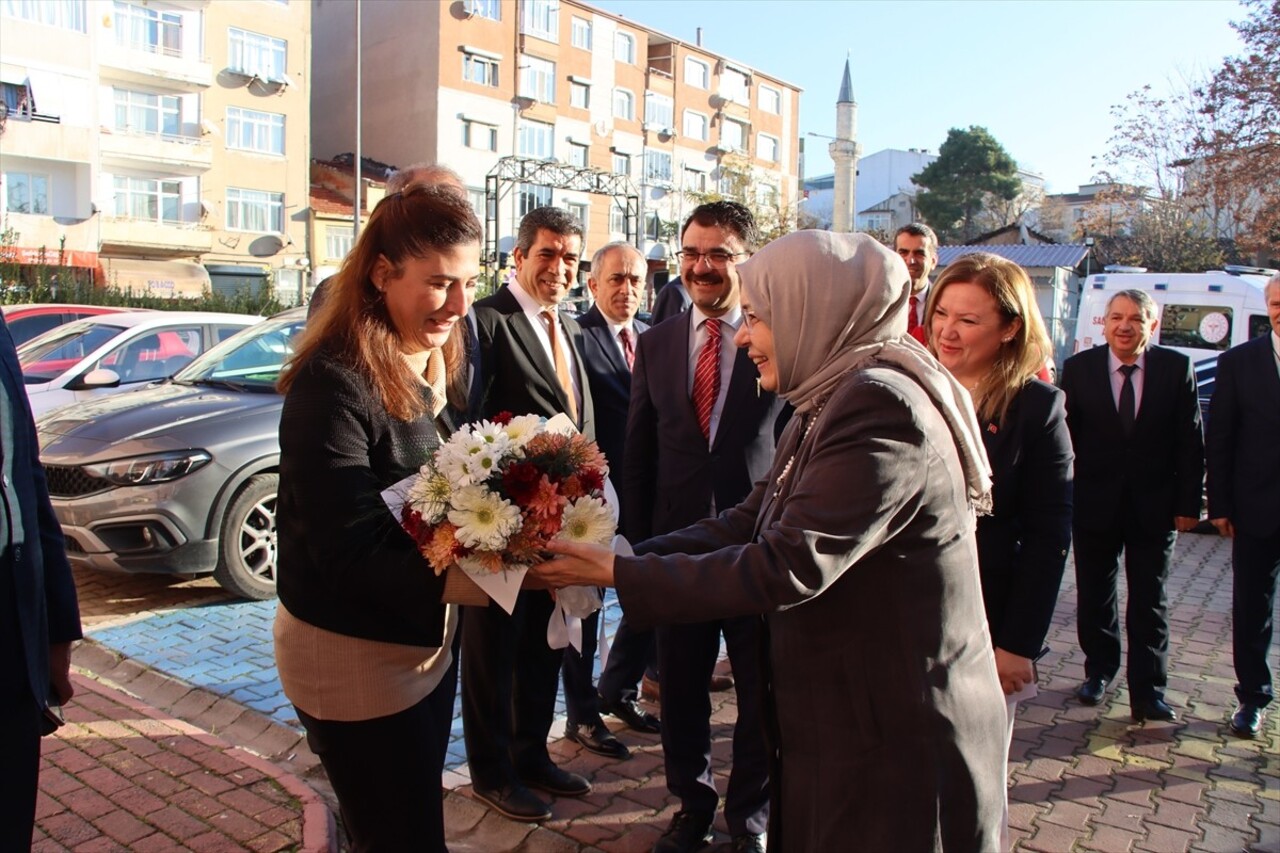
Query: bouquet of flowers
<point>497,491</point>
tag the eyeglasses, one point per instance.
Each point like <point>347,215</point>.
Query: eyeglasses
<point>716,258</point>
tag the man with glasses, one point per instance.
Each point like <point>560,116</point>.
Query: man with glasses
<point>699,433</point>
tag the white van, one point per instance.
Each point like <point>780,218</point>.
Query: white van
<point>1201,314</point>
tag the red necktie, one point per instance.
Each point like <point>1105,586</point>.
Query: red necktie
<point>914,327</point>
<point>706,377</point>
<point>628,347</point>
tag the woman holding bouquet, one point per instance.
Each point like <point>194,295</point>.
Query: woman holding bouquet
<point>362,638</point>
<point>859,548</point>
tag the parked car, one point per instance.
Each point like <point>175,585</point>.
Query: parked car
<point>179,477</point>
<point>30,319</point>
<point>101,355</point>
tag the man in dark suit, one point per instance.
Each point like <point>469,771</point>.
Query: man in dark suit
<point>1244,503</point>
<point>609,333</point>
<point>699,433</point>
<point>672,299</point>
<point>533,363</point>
<point>1135,425</point>
<point>39,616</point>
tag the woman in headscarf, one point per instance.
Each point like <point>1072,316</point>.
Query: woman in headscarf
<point>886,714</point>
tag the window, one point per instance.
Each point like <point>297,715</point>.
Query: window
<point>578,211</point>
<point>624,104</point>
<point>147,113</point>
<point>617,220</point>
<point>735,86</point>
<point>624,47</point>
<point>578,155</point>
<point>652,226</point>
<point>537,79</point>
<point>580,30</point>
<point>770,100</point>
<point>695,125</point>
<point>535,139</point>
<point>657,167</point>
<point>479,203</point>
<point>695,181</point>
<point>767,147</point>
<point>732,135</point>
<point>542,19</point>
<point>659,110</point>
<point>875,222</point>
<point>622,164</point>
<point>26,192</point>
<point>532,197</point>
<point>251,130</point>
<point>254,210</point>
<point>147,199</point>
<point>17,100</point>
<point>490,9</point>
<point>338,240</point>
<point>767,196</point>
<point>251,53</point>
<point>579,95</point>
<point>480,70</point>
<point>697,73</point>
<point>477,134</point>
<point>1200,326</point>
<point>141,28</point>
<point>68,14</point>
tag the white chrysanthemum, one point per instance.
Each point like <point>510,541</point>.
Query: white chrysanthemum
<point>454,458</point>
<point>429,495</point>
<point>493,435</point>
<point>482,464</point>
<point>587,520</point>
<point>484,519</point>
<point>520,429</point>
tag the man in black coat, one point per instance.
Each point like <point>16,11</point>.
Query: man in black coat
<point>533,363</point>
<point>39,616</point>
<point>672,300</point>
<point>1135,425</point>
<point>609,335</point>
<point>1244,503</point>
<point>699,433</point>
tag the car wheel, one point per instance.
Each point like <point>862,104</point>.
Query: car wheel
<point>247,544</point>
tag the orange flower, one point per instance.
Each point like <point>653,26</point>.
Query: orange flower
<point>442,548</point>
<point>545,500</point>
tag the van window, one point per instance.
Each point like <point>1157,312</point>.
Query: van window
<point>1197,326</point>
<point>1259,324</point>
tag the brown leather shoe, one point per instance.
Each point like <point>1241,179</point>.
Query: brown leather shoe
<point>720,682</point>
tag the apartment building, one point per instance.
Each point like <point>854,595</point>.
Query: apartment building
<point>586,99</point>
<point>166,144</point>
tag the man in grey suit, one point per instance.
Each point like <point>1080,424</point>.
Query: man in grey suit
<point>699,433</point>
<point>1244,503</point>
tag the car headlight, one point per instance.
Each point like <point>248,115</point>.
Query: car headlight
<point>153,468</point>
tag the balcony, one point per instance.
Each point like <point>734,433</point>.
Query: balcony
<point>178,155</point>
<point>148,64</point>
<point>120,234</point>
<point>46,138</point>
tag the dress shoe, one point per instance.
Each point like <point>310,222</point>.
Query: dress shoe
<point>1151,709</point>
<point>553,780</point>
<point>515,801</point>
<point>747,843</point>
<point>688,831</point>
<point>650,689</point>
<point>720,682</point>
<point>1091,691</point>
<point>1246,721</point>
<point>598,739</point>
<point>632,714</point>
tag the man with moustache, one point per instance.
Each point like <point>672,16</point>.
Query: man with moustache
<point>917,245</point>
<point>699,433</point>
<point>609,333</point>
<point>533,363</point>
<point>1134,419</point>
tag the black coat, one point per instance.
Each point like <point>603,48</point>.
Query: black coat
<point>1244,439</point>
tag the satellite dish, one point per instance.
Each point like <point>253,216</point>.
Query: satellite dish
<point>602,128</point>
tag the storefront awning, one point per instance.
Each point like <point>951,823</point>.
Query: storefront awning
<point>49,257</point>
<point>158,278</point>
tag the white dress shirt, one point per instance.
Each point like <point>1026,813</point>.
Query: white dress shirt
<point>533,310</point>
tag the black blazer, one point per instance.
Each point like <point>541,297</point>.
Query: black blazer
<point>670,474</point>
<point>1022,545</point>
<point>518,376</point>
<point>31,542</point>
<point>1244,439</point>
<point>346,565</point>
<point>610,381</point>
<point>672,300</point>
<point>1160,467</point>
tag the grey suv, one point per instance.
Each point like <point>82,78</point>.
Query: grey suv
<point>179,477</point>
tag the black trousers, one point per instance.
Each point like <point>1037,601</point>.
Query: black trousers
<point>686,658</point>
<point>1146,566</point>
<point>1255,564</point>
<point>386,772</point>
<point>632,655</point>
<point>509,680</point>
<point>20,717</point>
<point>582,706</point>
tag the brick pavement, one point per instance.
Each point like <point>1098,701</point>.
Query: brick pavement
<point>1081,778</point>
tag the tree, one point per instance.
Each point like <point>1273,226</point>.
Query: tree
<point>971,169</point>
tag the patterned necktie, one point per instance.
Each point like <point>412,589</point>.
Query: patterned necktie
<point>628,347</point>
<point>914,327</point>
<point>1127,407</point>
<point>706,377</point>
<point>562,368</point>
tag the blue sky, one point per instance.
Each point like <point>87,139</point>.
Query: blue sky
<point>1041,75</point>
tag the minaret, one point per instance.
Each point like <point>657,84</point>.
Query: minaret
<point>844,154</point>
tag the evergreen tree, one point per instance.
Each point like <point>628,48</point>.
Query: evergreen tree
<point>971,168</point>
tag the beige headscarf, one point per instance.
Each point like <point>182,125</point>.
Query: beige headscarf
<point>833,301</point>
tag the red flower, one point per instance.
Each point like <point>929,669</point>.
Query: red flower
<point>521,481</point>
<point>503,418</point>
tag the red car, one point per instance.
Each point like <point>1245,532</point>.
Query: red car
<point>27,321</point>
